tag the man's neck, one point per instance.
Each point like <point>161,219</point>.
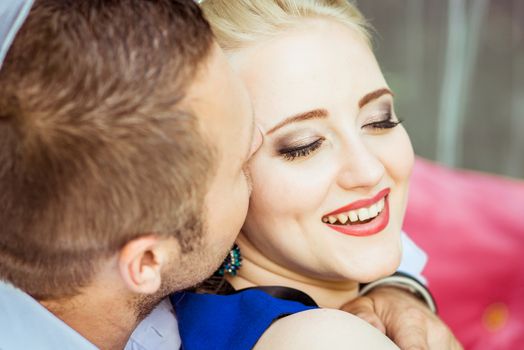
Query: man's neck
<point>257,270</point>
<point>104,321</point>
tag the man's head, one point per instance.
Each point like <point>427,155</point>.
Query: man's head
<point>111,152</point>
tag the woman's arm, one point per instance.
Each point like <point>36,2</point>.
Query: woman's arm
<point>322,329</point>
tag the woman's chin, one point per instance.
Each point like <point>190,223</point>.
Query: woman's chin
<point>371,269</point>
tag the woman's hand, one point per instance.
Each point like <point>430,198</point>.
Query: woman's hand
<point>404,319</point>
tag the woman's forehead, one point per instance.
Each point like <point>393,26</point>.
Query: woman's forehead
<point>304,71</point>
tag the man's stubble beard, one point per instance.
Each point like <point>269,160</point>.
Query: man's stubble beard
<point>194,267</point>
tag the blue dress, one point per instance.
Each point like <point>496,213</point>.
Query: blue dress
<point>234,321</point>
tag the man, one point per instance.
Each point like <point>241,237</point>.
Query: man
<point>123,140</point>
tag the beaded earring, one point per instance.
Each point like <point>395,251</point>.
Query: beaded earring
<point>232,262</point>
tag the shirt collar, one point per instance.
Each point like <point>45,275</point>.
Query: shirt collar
<point>159,330</point>
<point>26,324</point>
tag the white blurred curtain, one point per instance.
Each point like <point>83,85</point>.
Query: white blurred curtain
<point>463,35</point>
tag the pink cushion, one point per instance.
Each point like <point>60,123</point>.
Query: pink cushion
<point>472,227</point>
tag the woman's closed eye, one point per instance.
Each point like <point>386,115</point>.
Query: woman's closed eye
<point>301,150</point>
<point>385,122</point>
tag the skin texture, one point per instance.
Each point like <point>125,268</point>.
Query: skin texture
<point>226,119</point>
<point>322,329</point>
<point>408,322</point>
<point>323,65</point>
<point>149,267</point>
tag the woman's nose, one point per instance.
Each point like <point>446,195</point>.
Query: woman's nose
<point>361,168</point>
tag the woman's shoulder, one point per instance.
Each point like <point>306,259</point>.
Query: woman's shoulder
<point>323,329</point>
<point>236,320</point>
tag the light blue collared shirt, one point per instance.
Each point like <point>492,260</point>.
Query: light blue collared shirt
<point>413,260</point>
<point>12,15</point>
<point>27,325</point>
<point>158,331</point>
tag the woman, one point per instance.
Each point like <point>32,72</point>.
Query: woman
<point>330,181</point>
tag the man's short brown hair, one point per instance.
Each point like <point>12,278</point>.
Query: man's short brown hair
<point>94,147</point>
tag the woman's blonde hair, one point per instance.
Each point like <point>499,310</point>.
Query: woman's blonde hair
<point>240,23</point>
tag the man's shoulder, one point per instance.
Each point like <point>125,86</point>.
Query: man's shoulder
<point>159,330</point>
<point>25,324</point>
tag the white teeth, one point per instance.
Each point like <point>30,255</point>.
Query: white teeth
<point>380,205</point>
<point>342,218</point>
<point>373,211</point>
<point>363,214</point>
<point>353,216</point>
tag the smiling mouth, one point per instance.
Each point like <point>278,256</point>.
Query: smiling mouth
<point>361,218</point>
<point>357,216</point>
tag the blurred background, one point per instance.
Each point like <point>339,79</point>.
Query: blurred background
<point>457,67</point>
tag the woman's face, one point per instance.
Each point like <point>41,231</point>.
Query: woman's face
<point>332,151</point>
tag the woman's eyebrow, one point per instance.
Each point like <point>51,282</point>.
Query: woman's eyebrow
<point>313,114</point>
<point>373,96</point>
<point>323,113</point>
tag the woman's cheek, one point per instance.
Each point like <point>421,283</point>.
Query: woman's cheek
<point>398,160</point>
<point>395,153</point>
<point>283,188</point>
<point>405,157</point>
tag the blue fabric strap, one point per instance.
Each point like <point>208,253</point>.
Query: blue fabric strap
<point>12,15</point>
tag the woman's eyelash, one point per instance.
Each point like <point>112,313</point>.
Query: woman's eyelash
<point>300,151</point>
<point>387,123</point>
<point>293,153</point>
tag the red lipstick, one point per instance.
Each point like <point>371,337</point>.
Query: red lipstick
<point>372,227</point>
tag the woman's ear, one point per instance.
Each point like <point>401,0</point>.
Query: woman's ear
<point>141,262</point>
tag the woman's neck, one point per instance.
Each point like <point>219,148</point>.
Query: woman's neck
<point>257,270</point>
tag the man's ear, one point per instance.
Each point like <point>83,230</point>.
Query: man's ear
<point>141,262</point>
